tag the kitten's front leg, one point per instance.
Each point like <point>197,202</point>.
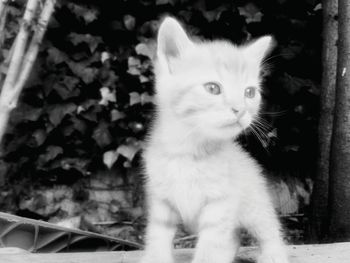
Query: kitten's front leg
<point>160,232</point>
<point>261,220</point>
<point>217,242</point>
<point>272,248</point>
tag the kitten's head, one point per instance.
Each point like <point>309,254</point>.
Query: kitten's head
<point>212,87</point>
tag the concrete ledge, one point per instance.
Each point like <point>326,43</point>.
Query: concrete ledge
<point>325,253</point>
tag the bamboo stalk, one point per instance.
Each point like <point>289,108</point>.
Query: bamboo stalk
<point>7,61</point>
<point>17,58</point>
<point>3,4</point>
<point>9,56</point>
<point>21,60</point>
<point>33,50</point>
<point>3,15</point>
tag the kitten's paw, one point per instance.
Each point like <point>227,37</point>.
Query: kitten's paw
<point>155,259</point>
<point>273,257</point>
<point>213,257</point>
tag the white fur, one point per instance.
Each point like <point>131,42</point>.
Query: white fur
<point>196,173</point>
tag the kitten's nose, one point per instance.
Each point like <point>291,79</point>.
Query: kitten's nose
<point>235,111</point>
<point>239,113</point>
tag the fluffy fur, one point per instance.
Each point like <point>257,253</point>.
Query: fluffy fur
<point>196,173</point>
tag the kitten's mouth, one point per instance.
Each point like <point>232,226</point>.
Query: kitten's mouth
<point>230,125</point>
<point>233,125</point>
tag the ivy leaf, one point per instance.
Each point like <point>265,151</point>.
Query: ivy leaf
<point>129,22</point>
<point>149,28</point>
<point>67,87</point>
<point>134,71</point>
<point>105,56</point>
<point>146,98</point>
<point>135,98</point>
<point>26,112</point>
<point>39,137</point>
<point>107,96</point>
<point>116,115</point>
<point>70,82</point>
<point>136,126</point>
<point>146,49</point>
<point>88,14</point>
<point>86,105</point>
<point>13,11</point>
<point>272,133</point>
<point>294,84</point>
<point>128,151</point>
<point>143,79</point>
<point>108,78</point>
<point>79,164</point>
<point>59,111</point>
<point>211,15</point>
<point>91,114</point>
<point>109,158</point>
<point>51,152</point>
<point>79,125</point>
<point>134,65</point>
<point>90,40</point>
<point>134,62</point>
<point>67,130</point>
<point>4,168</point>
<point>318,7</point>
<point>251,12</point>
<point>87,74</point>
<point>164,2</point>
<point>102,135</point>
<point>55,55</point>
<point>292,148</point>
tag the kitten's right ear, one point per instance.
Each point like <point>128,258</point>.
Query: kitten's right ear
<point>260,48</point>
<point>172,40</point>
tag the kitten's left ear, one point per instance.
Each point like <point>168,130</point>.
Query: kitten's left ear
<point>260,47</point>
<point>172,40</point>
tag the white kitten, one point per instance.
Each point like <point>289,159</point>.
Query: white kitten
<point>207,94</point>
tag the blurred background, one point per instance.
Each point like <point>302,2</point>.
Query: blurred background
<point>71,154</point>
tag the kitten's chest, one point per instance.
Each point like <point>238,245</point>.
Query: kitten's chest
<point>188,184</point>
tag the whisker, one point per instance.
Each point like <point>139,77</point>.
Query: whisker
<point>273,113</point>
<point>274,56</point>
<point>263,120</point>
<point>258,136</point>
<point>263,133</point>
<point>263,124</point>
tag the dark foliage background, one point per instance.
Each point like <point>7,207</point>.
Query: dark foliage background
<point>88,104</point>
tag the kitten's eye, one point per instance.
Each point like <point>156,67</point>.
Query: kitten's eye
<point>250,92</point>
<point>212,88</point>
